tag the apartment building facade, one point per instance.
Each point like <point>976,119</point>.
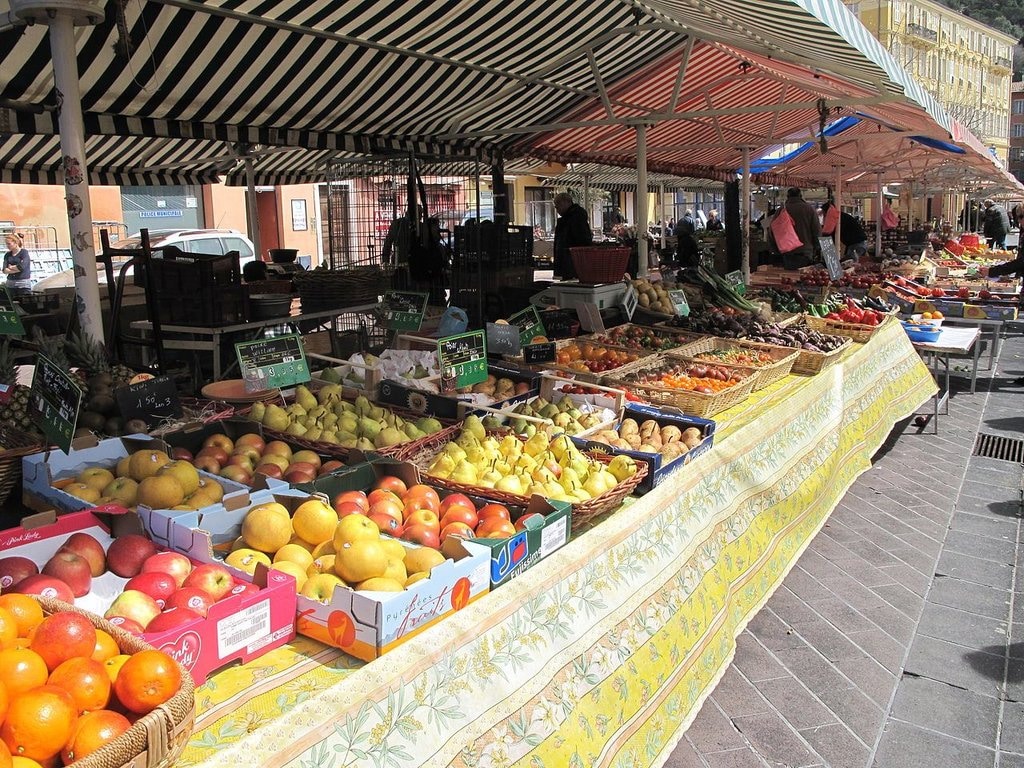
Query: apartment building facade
<point>1016,166</point>
<point>964,64</point>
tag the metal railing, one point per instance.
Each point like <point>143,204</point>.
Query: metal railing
<point>922,32</point>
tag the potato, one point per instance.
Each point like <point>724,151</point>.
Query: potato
<point>600,438</point>
<point>647,448</point>
<point>643,301</point>
<point>671,434</point>
<point>629,426</point>
<point>691,441</point>
<point>620,443</point>
<point>648,428</point>
<point>692,432</point>
<point>673,451</point>
<point>633,441</point>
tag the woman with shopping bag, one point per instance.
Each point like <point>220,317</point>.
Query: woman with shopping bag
<point>795,231</point>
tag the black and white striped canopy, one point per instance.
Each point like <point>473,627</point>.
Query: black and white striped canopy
<point>218,77</point>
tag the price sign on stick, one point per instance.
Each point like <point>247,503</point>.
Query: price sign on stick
<point>152,400</point>
<point>831,256</point>
<point>404,310</point>
<point>10,321</point>
<point>465,355</point>
<point>678,299</point>
<point>529,323</point>
<point>735,279</point>
<point>630,301</point>
<point>503,339</point>
<point>54,402</point>
<point>275,362</point>
<point>539,353</point>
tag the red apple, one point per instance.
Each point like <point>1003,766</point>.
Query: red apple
<point>270,470</point>
<point>207,464</point>
<point>220,456</point>
<point>240,460</point>
<point>176,565</point>
<point>349,508</point>
<point>521,522</point>
<point>192,599</point>
<point>251,440</point>
<point>89,549</point>
<point>181,454</point>
<point>156,584</point>
<point>128,625</point>
<point>72,570</point>
<point>379,494</point>
<point>387,507</point>
<point>460,514</point>
<point>134,605</point>
<point>495,528</point>
<point>308,457</point>
<point>14,569</point>
<point>394,484</point>
<point>461,530</point>
<point>223,442</point>
<point>300,474</point>
<point>425,518</point>
<point>279,461</point>
<point>278,448</point>
<point>127,554</point>
<point>494,510</point>
<point>249,451</point>
<point>329,466</point>
<point>305,466</point>
<point>175,617</point>
<point>420,534</point>
<point>242,588</point>
<point>387,523</point>
<point>355,497</point>
<point>237,473</point>
<point>456,498</point>
<point>215,580</point>
<point>45,586</point>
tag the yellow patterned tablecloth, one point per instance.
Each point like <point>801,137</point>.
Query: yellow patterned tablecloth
<point>601,654</point>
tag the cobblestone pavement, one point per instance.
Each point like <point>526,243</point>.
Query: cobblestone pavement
<point>897,640</point>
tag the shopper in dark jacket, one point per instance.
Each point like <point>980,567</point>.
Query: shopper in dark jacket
<point>571,231</point>
<point>687,249</point>
<point>807,227</point>
<point>995,225</point>
<point>851,234</point>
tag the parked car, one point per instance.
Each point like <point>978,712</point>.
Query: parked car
<point>210,241</point>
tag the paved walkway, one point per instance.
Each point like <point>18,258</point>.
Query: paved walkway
<point>891,644</point>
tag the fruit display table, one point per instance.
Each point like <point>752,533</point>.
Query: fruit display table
<point>601,654</point>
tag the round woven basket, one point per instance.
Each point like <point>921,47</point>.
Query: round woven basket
<point>322,289</point>
<point>155,740</point>
<point>15,444</point>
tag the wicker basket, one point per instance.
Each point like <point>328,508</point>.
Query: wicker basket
<point>15,444</point>
<point>859,332</point>
<point>599,264</point>
<point>155,740</point>
<point>585,377</point>
<point>681,337</point>
<point>322,289</point>
<point>264,287</point>
<point>765,375</point>
<point>807,363</point>
<point>425,451</point>
<point>692,403</point>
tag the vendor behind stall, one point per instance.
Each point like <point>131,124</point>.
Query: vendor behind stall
<point>17,265</point>
<point>571,231</point>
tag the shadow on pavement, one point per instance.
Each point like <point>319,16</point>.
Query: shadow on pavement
<point>1007,424</point>
<point>1005,508</point>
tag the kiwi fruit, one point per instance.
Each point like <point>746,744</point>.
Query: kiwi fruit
<point>102,404</point>
<point>91,421</point>
<point>136,426</point>
<point>114,426</point>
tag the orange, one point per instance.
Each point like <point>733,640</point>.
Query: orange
<point>106,646</point>
<point>87,682</point>
<point>21,670</point>
<point>8,628</point>
<point>63,636</point>
<point>936,315</point>
<point>26,611</point>
<point>6,761</point>
<point>113,665</point>
<point>17,761</point>
<point>22,642</point>
<point>5,702</point>
<point>39,723</point>
<point>147,680</point>
<point>92,731</point>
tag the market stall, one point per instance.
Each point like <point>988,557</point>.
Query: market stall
<point>602,653</point>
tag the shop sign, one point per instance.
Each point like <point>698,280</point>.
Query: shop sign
<point>678,299</point>
<point>503,339</point>
<point>831,256</point>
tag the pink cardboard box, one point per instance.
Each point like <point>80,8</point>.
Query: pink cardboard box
<point>241,627</point>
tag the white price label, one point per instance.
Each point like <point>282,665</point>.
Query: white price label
<point>554,537</point>
<point>243,628</point>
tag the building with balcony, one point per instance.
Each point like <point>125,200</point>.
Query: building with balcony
<point>964,64</point>
<point>1016,166</point>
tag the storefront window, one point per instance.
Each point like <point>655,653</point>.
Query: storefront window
<point>171,207</point>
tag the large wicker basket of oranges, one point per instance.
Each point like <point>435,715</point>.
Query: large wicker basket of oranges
<point>70,686</point>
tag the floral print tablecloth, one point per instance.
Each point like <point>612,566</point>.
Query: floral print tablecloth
<point>601,654</point>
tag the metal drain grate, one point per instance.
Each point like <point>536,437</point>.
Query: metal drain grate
<point>999,447</point>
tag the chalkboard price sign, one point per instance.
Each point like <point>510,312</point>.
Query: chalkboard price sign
<point>529,323</point>
<point>276,362</point>
<point>152,400</point>
<point>503,339</point>
<point>539,353</point>
<point>831,256</point>
<point>54,402</point>
<point>463,356</point>
<point>403,310</point>
<point>10,321</point>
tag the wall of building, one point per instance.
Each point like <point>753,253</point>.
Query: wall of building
<point>1016,165</point>
<point>42,206</point>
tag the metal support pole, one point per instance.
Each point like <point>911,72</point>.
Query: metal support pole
<point>586,195</point>
<point>251,214</point>
<point>880,204</point>
<point>664,214</point>
<point>745,218</point>
<point>838,202</point>
<point>641,200</point>
<point>76,174</point>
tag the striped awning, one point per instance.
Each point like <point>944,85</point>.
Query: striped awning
<point>616,179</point>
<point>553,80</point>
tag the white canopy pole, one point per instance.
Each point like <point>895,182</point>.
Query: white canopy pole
<point>663,217</point>
<point>745,218</point>
<point>878,219</point>
<point>586,197</point>
<point>251,213</point>
<point>838,202</point>
<point>641,199</point>
<point>76,172</point>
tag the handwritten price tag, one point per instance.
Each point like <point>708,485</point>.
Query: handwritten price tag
<point>280,361</point>
<point>466,355</point>
<point>10,321</point>
<point>152,400</point>
<point>54,402</point>
<point>403,310</point>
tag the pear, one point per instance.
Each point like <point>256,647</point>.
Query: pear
<point>276,418</point>
<point>622,467</point>
<point>368,428</point>
<point>575,413</point>
<point>412,431</point>
<point>362,406</point>
<point>364,445</point>
<point>329,394</point>
<point>455,451</point>
<point>539,403</point>
<point>389,436</point>
<point>491,422</point>
<point>442,466</point>
<point>562,420</point>
<point>329,436</point>
<point>566,403</point>
<point>419,372</point>
<point>346,440</point>
<point>258,411</point>
<point>296,410</point>
<point>428,425</point>
<point>316,413</point>
<point>464,473</point>
<point>517,425</point>
<point>376,413</point>
<point>330,420</point>
<point>476,455</point>
<point>348,422</point>
<point>580,494</point>
<point>466,439</point>
<point>536,445</point>
<point>474,426</point>
<point>530,430</point>
<point>549,411</point>
<point>295,429</point>
<point>305,398</point>
<point>594,485</point>
<point>313,433</point>
<point>509,484</point>
<point>490,478</point>
<point>537,489</point>
<point>609,479</point>
<point>569,479</point>
<point>560,446</point>
<point>344,407</point>
<point>330,375</point>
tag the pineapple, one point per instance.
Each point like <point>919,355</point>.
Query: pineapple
<point>91,359</point>
<point>16,410</point>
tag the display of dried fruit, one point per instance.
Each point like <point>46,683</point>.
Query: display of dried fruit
<point>752,357</point>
